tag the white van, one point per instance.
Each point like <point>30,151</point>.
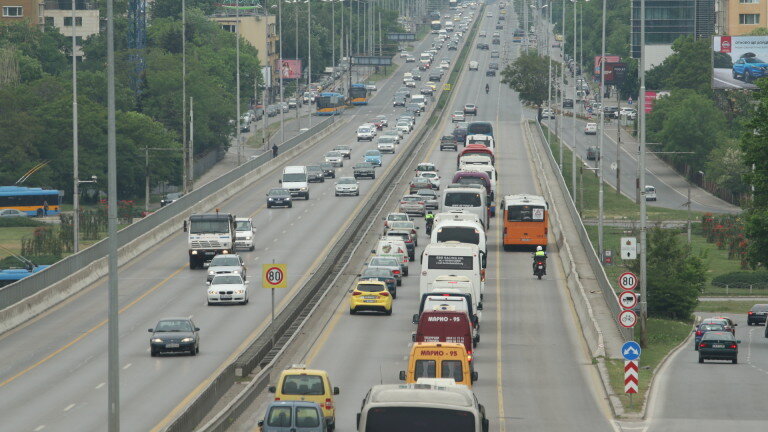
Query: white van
<point>452,258</point>
<point>485,140</point>
<point>459,284</point>
<point>296,180</point>
<point>407,77</point>
<point>473,65</point>
<point>650,193</point>
<point>456,215</point>
<point>392,247</point>
<point>468,199</point>
<point>421,100</point>
<point>462,232</point>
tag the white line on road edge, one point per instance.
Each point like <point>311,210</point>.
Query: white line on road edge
<point>69,407</point>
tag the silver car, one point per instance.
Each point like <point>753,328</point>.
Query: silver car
<point>226,264</point>
<point>345,150</point>
<point>390,263</point>
<point>413,204</point>
<point>386,144</point>
<point>347,186</point>
<point>227,288</point>
<point>335,158</point>
<point>430,197</point>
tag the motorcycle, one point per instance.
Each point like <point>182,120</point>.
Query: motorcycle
<point>539,266</point>
<point>429,226</point>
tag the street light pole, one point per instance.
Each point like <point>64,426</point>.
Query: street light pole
<point>185,160</point>
<point>561,118</point>
<point>237,81</point>
<point>309,55</point>
<point>641,186</point>
<point>573,119</point>
<point>75,144</point>
<point>280,69</point>
<point>600,215</point>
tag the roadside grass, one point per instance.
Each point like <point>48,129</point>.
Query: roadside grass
<point>383,73</point>
<point>726,306</point>
<point>663,336</point>
<point>10,239</point>
<point>257,139</point>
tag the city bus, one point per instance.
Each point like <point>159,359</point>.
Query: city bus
<point>358,94</point>
<point>329,104</point>
<point>438,406</point>
<point>11,275</point>
<point>517,37</point>
<point>31,201</point>
<point>526,221</point>
<point>436,26</point>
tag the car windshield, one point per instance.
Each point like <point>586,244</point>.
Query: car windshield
<point>384,262</point>
<point>225,261</point>
<point>342,147</point>
<point>347,180</point>
<point>386,140</point>
<point>333,154</point>
<point>376,272</point>
<point>173,326</point>
<point>226,280</point>
<point>428,175</point>
<point>369,287</point>
<point>426,193</point>
<point>711,327</point>
<point>326,166</point>
<point>294,177</point>
<point>412,198</point>
<point>279,192</point>
<point>314,168</point>
<point>243,226</point>
<point>402,224</point>
<point>372,153</point>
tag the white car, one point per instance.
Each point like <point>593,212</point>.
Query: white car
<point>425,167</point>
<point>396,134</point>
<point>590,129</point>
<point>445,65</point>
<point>370,87</point>
<point>403,54</point>
<point>547,113</point>
<point>366,133</point>
<point>386,144</point>
<point>229,288</point>
<point>457,116</point>
<point>410,83</point>
<point>345,150</point>
<point>244,233</point>
<point>347,186</point>
<point>224,264</point>
<point>403,126</point>
<point>432,177</point>
<point>474,65</point>
<point>335,158</point>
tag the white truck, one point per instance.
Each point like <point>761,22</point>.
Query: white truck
<point>451,259</point>
<point>210,234</point>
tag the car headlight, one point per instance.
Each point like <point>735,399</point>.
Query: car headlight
<point>211,273</point>
<point>211,292</point>
<point>235,271</point>
<point>303,189</point>
<point>271,199</point>
<point>187,340</point>
<point>247,237</point>
<point>156,340</point>
<point>239,291</point>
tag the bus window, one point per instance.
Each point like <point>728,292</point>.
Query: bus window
<point>525,214</point>
<point>463,199</point>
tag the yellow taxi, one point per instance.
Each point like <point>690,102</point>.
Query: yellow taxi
<point>439,360</point>
<point>370,295</point>
<point>312,385</point>
<point>432,85</point>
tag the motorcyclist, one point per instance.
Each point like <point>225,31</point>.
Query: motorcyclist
<point>487,88</point>
<point>540,255</point>
<point>429,218</point>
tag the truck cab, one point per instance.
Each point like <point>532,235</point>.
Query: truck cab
<point>209,235</point>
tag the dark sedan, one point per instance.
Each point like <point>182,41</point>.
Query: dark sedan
<point>757,314</point>
<point>382,274</point>
<point>490,72</point>
<point>169,198</point>
<point>315,174</point>
<point>279,197</point>
<point>702,329</point>
<point>719,345</point>
<point>174,335</point>
<point>329,171</point>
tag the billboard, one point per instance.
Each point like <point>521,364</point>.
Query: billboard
<point>651,96</point>
<point>737,61</point>
<point>608,59</point>
<point>290,69</point>
<point>615,73</point>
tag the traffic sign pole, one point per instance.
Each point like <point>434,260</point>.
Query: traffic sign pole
<point>630,378</point>
<point>274,276</point>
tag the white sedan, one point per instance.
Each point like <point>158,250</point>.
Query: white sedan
<point>590,129</point>
<point>347,186</point>
<point>335,158</point>
<point>227,288</point>
<point>457,116</point>
<point>432,177</point>
<point>386,144</point>
<point>403,127</point>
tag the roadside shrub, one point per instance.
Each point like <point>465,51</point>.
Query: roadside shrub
<point>742,279</point>
<point>12,222</point>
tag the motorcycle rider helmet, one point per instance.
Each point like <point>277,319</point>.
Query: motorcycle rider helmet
<point>538,248</point>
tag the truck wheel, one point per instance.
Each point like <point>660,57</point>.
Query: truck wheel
<point>192,263</point>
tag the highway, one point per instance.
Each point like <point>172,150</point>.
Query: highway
<point>711,397</point>
<point>53,374</point>
<point>535,373</point>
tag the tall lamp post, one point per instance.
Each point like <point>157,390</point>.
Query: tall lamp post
<point>600,143</point>
<point>75,163</point>
<point>643,239</point>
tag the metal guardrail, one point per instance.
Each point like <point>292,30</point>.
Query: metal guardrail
<point>594,262</point>
<point>18,291</point>
<point>261,353</point>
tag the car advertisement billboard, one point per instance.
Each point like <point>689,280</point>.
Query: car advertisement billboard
<point>290,69</point>
<point>737,61</point>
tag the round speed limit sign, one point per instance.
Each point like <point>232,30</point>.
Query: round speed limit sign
<point>628,281</point>
<point>273,276</point>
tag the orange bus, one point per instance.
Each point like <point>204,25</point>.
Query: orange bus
<point>526,221</point>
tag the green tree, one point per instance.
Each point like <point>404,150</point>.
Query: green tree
<point>726,167</point>
<point>40,52</point>
<point>675,276</point>
<point>686,121</point>
<point>684,69</point>
<point>528,76</point>
<point>754,144</point>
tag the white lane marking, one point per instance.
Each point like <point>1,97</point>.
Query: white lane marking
<point>127,366</point>
<point>69,407</point>
<point>39,428</point>
<point>256,259</point>
<point>100,386</point>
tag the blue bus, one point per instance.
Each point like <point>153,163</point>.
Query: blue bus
<point>11,275</point>
<point>329,104</point>
<point>32,201</point>
<point>358,94</point>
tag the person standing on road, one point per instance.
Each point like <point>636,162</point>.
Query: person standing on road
<point>274,150</point>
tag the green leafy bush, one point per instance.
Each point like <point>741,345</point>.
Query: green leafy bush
<point>737,279</point>
<point>10,222</point>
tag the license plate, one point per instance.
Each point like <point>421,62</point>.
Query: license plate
<point>226,298</point>
<point>172,345</point>
<point>718,346</point>
<point>369,301</point>
<point>369,297</point>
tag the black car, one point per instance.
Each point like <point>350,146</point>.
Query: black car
<point>490,72</point>
<point>382,274</point>
<point>416,75</point>
<point>448,142</point>
<point>593,153</point>
<point>435,76</point>
<point>452,47</point>
<point>364,169</point>
<point>398,101</point>
<point>329,171</point>
<point>495,41</point>
<point>427,91</point>
<point>169,198</point>
<point>719,345</point>
<point>174,335</point>
<point>494,66</point>
<point>567,103</point>
<point>460,132</point>
<point>499,26</point>
<point>757,314</point>
<point>279,197</point>
<point>484,46</point>
<point>315,174</point>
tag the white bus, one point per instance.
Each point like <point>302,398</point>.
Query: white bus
<point>421,407</point>
<point>463,232</point>
<point>451,258</point>
<point>469,199</point>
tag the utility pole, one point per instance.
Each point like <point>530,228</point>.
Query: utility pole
<point>573,119</point>
<point>641,160</point>
<point>75,144</point>
<point>185,158</point>
<point>561,118</point>
<point>190,151</point>
<point>237,83</point>
<point>618,144</point>
<point>309,56</point>
<point>600,143</point>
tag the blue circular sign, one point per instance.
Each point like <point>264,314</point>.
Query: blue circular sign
<point>631,350</point>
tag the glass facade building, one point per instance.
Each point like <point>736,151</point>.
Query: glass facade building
<point>667,20</point>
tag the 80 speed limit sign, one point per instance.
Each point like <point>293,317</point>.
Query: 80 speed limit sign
<point>628,281</point>
<point>273,276</point>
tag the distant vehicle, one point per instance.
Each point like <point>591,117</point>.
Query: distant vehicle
<point>473,65</point>
<point>457,116</point>
<point>330,104</point>
<point>170,197</point>
<point>490,73</point>
<point>12,213</point>
<point>226,264</point>
<point>547,113</point>
<point>590,129</point>
<point>494,54</point>
<point>719,345</point>
<point>210,234</point>
<point>448,142</point>
<point>293,415</point>
<point>567,103</point>
<point>345,150</point>
<point>370,295</point>
<point>30,200</point>
<point>358,94</point>
<point>227,288</point>
<point>329,171</point>
<point>703,328</point>
<point>470,109</point>
<point>279,197</point>
<point>757,314</point>
<point>650,193</point>
<point>381,274</point>
<point>593,153</point>
<point>335,158</point>
<point>347,186</point>
<point>174,335</point>
<point>298,383</point>
<point>365,133</point>
<point>244,233</point>
<point>364,169</point>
